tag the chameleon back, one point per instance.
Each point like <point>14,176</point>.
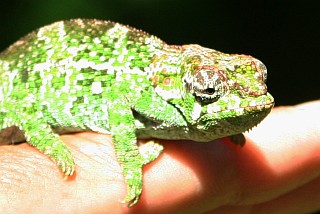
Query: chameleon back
<point>63,71</point>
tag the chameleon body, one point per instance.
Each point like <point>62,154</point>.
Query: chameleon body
<point>101,76</point>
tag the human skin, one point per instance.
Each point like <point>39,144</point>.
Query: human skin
<point>277,171</point>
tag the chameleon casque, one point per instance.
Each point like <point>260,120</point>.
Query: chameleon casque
<point>101,76</point>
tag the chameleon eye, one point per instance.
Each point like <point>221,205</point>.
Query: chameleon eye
<point>208,86</point>
<point>209,91</point>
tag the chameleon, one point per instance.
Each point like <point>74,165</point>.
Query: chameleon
<point>101,76</point>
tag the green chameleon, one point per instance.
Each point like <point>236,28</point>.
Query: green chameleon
<point>101,76</point>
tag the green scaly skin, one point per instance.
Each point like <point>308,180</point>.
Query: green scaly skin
<point>101,76</point>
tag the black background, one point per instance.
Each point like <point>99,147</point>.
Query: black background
<point>282,34</point>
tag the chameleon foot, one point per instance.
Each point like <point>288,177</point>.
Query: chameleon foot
<point>62,156</point>
<point>150,151</point>
<point>41,136</point>
<point>134,186</point>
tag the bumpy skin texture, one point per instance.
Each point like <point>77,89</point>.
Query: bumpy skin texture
<point>81,75</point>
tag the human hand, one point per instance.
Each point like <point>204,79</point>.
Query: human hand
<point>277,171</point>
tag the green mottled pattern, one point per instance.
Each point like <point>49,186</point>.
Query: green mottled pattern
<point>109,78</point>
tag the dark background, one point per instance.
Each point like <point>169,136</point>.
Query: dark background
<point>282,34</point>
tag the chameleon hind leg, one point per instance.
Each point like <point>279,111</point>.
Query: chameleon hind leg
<point>40,135</point>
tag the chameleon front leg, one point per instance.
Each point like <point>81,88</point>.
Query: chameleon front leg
<point>122,124</point>
<point>128,155</point>
<point>122,127</point>
<point>131,156</point>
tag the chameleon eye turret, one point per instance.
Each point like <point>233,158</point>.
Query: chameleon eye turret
<point>208,85</point>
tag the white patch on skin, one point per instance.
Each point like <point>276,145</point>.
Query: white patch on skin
<point>195,114</point>
<point>96,88</point>
<point>50,53</point>
<point>96,40</point>
<point>235,102</point>
<point>67,108</point>
<point>102,66</point>
<point>82,63</point>
<point>72,50</point>
<point>43,89</point>
<point>110,71</point>
<point>239,111</point>
<point>85,100</point>
<point>128,77</point>
<point>136,70</point>
<point>30,98</point>
<point>78,87</point>
<point>82,47</point>
<point>93,53</point>
<point>130,58</point>
<point>39,114</point>
<point>120,58</point>
<point>104,108</point>
<point>69,72</point>
<point>119,78</point>
<point>253,103</point>
<point>147,69</point>
<point>213,109</point>
<point>11,77</point>
<point>153,41</point>
<point>65,61</point>
<point>167,95</point>
<point>111,60</point>
<point>65,88</point>
<point>43,66</point>
<point>80,76</point>
<point>115,52</point>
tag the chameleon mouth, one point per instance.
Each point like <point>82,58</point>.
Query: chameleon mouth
<point>235,106</point>
<point>232,121</point>
<point>259,107</point>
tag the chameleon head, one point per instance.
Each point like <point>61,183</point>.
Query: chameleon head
<point>210,74</point>
<point>221,94</point>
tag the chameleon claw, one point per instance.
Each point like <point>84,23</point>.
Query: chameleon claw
<point>130,202</point>
<point>133,202</point>
<point>67,168</point>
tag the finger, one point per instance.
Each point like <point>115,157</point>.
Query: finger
<point>289,141</point>
<point>31,182</point>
